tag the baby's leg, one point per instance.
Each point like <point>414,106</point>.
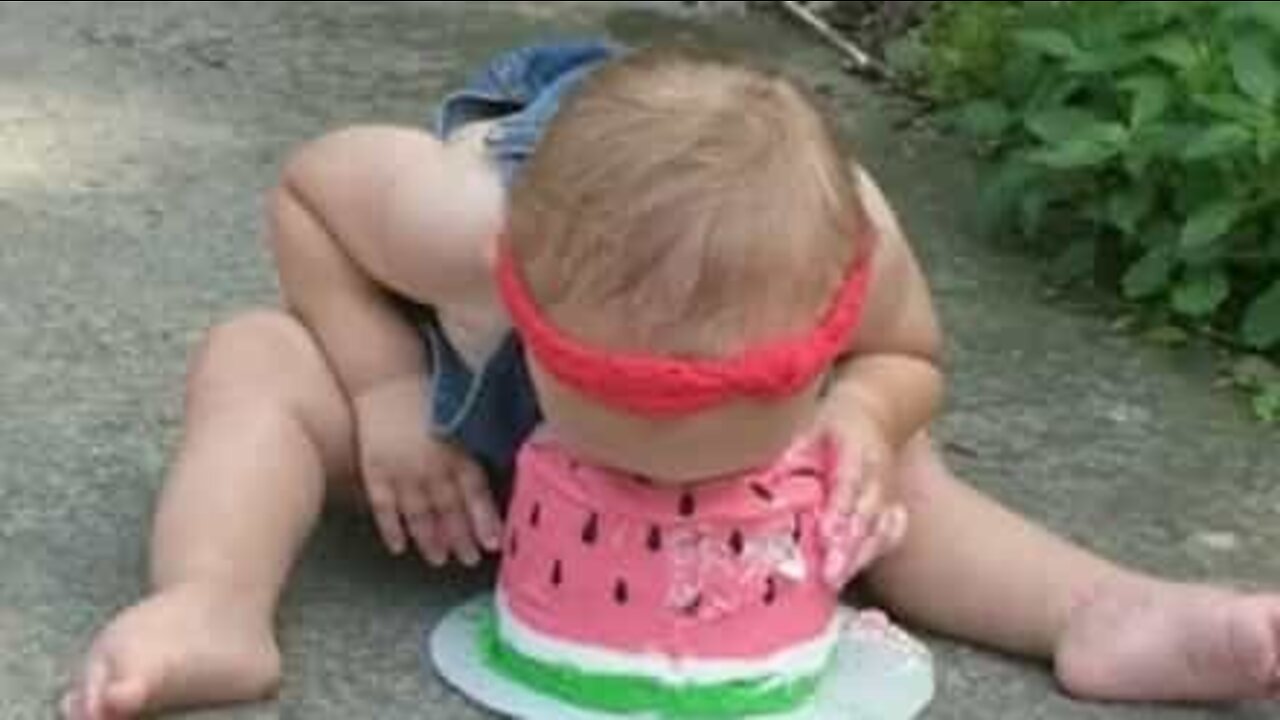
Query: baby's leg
<point>265,425</point>
<point>972,569</point>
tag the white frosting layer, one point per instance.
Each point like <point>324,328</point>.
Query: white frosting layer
<point>803,660</point>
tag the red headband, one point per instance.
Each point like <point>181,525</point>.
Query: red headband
<point>664,386</point>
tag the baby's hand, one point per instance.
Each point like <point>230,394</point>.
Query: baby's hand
<point>858,527</point>
<point>421,486</point>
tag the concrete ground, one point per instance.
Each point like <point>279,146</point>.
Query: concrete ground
<point>135,142</point>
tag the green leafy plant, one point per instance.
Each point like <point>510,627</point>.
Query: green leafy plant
<point>1266,404</point>
<point>966,46</point>
<point>1260,379</point>
<point>1138,144</point>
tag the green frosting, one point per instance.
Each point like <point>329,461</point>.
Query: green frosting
<point>634,693</point>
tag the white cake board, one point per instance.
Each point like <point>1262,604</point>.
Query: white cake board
<point>879,673</point>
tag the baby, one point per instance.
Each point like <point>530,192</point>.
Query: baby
<point>692,223</point>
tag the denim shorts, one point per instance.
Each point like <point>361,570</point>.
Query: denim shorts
<point>490,410</point>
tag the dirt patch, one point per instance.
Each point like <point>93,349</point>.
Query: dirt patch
<point>873,24</point>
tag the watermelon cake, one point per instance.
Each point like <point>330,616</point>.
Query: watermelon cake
<point>618,595</point>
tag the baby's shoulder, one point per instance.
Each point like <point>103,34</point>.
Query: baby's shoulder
<point>878,209</point>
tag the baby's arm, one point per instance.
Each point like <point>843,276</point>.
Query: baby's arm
<point>884,391</point>
<point>891,372</point>
<point>360,217</point>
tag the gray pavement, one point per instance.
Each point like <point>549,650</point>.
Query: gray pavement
<point>136,140</point>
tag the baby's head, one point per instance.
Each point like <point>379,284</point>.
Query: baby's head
<point>689,207</point>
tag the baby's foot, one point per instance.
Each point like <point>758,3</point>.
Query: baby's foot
<point>179,648</point>
<point>1166,642</point>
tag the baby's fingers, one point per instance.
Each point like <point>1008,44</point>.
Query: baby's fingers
<point>844,490</point>
<point>870,498</point>
<point>857,489</point>
<point>887,533</point>
<point>386,513</point>
<point>421,522</point>
<point>854,543</point>
<point>481,510</point>
<point>451,513</point>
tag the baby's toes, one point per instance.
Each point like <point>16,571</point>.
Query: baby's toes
<point>67,705</point>
<point>125,698</point>
<point>84,700</point>
<point>1257,639</point>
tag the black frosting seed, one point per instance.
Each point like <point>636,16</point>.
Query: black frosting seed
<point>655,539</point>
<point>620,592</point>
<point>770,591</point>
<point>535,515</point>
<point>591,530</point>
<point>762,492</point>
<point>557,574</point>
<point>691,608</point>
<point>736,543</point>
<point>687,504</point>
<point>808,472</point>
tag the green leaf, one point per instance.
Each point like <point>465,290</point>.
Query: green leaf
<point>1126,208</point>
<point>1104,60</point>
<point>1156,141</point>
<point>1167,335</point>
<point>1212,254</point>
<point>1073,154</point>
<point>1161,232</point>
<point>1053,43</point>
<point>1261,327</point>
<point>1107,132</point>
<point>1268,143</point>
<point>1266,404</point>
<point>1152,95</point>
<point>1176,50</point>
<point>1202,293</point>
<point>985,119</point>
<point>1216,141</point>
<point>1150,275</point>
<point>1254,67</point>
<point>1166,10</point>
<point>1167,138</point>
<point>1234,107</point>
<point>1268,13</point>
<point>1061,123</point>
<point>1211,222</point>
<point>1252,372</point>
<point>1074,138</point>
<point>1002,193</point>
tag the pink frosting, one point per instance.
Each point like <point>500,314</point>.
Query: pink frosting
<point>729,569</point>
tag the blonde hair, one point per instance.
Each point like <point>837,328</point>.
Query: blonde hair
<point>685,204</point>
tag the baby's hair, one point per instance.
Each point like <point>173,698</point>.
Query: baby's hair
<point>687,204</point>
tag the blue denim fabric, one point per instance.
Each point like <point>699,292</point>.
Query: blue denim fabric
<point>522,89</point>
<point>490,410</point>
